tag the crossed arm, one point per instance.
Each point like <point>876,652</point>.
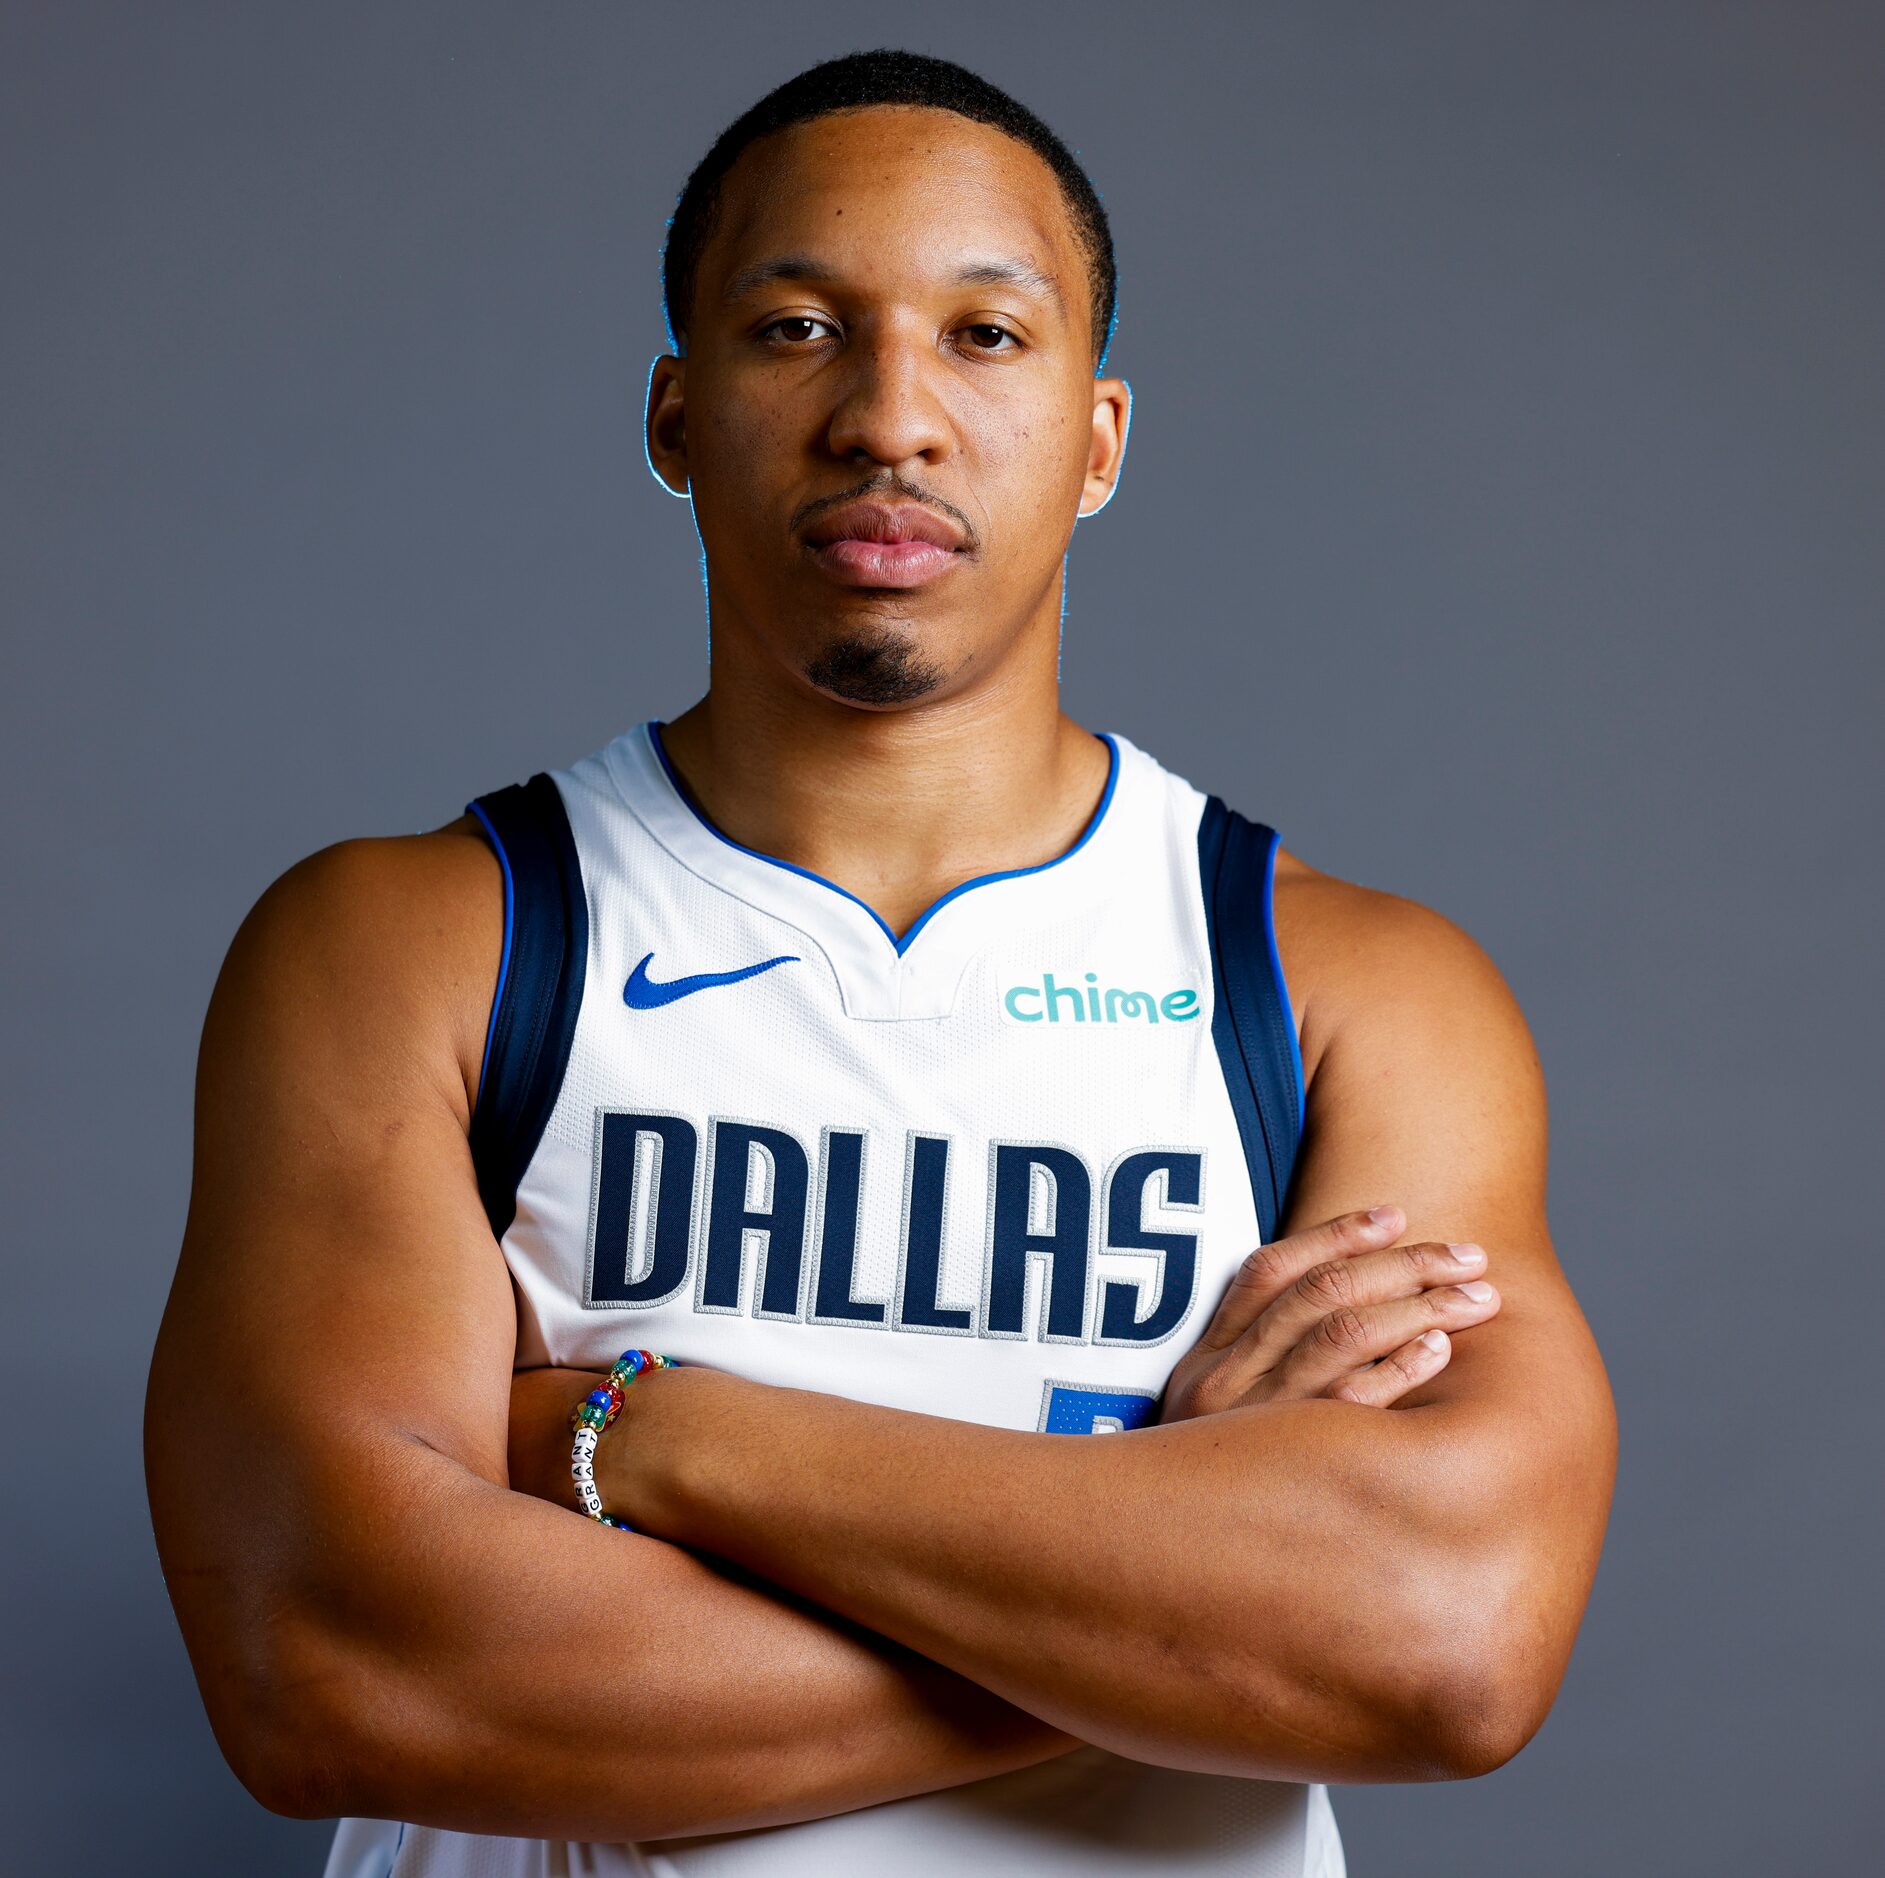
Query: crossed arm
<point>380,1624</point>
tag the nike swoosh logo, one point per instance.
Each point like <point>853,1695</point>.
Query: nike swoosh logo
<point>643,993</point>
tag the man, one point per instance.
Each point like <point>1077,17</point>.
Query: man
<point>933,1080</point>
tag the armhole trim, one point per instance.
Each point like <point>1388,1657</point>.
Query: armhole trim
<point>1251,1021</point>
<point>504,961</point>
<point>1282,984</point>
<point>539,989</point>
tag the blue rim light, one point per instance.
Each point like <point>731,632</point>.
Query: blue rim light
<point>900,946</point>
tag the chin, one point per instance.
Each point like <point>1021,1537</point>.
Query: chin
<point>880,669</point>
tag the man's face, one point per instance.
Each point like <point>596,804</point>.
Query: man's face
<point>850,381</point>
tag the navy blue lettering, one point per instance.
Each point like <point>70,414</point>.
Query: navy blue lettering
<point>837,1237</point>
<point>1066,1245</point>
<point>1126,1229</point>
<point>730,1218</point>
<point>609,1280</point>
<point>923,1238</point>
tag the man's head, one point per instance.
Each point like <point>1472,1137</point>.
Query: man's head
<point>884,78</point>
<point>890,288</point>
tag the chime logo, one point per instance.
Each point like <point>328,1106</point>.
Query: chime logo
<point>1084,1000</point>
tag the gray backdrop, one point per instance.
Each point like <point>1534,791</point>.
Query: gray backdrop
<point>1501,520</point>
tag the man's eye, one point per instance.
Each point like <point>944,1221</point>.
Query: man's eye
<point>988,343</point>
<point>793,319</point>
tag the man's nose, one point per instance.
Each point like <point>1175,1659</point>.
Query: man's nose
<point>892,407</point>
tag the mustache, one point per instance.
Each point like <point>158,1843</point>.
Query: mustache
<point>878,489</point>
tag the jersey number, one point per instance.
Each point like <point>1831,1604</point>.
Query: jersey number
<point>1069,1409</point>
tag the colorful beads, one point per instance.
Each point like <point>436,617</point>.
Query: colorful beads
<point>595,1412</point>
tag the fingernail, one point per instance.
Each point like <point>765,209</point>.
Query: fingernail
<point>1382,1215</point>
<point>1479,1291</point>
<point>1435,1340</point>
<point>1467,1254</point>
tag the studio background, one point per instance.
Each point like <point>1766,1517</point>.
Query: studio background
<point>1501,519</point>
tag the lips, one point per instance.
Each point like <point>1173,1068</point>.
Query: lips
<point>882,544</point>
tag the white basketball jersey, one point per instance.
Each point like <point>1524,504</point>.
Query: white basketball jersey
<point>1000,1170</point>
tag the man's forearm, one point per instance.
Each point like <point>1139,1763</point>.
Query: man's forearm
<point>1249,1593</point>
<point>463,1656</point>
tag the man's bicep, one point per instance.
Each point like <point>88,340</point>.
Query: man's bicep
<point>338,1290</point>
<point>376,1625</point>
<point>1427,1093</point>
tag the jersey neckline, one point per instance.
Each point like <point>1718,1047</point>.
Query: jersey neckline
<point>653,728</point>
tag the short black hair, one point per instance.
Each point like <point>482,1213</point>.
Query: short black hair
<point>883,76</point>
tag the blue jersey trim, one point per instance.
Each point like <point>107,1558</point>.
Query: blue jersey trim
<point>981,880</point>
<point>540,986</point>
<point>1251,1023</point>
<point>772,860</point>
<point>504,960</point>
<point>1276,972</point>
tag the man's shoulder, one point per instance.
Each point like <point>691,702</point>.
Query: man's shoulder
<point>388,943</point>
<point>1360,960</point>
<point>403,900</point>
<point>1364,929</point>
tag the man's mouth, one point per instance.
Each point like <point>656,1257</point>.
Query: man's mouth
<point>883,563</point>
<point>882,544</point>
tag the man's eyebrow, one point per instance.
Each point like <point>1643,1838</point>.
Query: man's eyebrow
<point>780,267</point>
<point>1014,274</point>
<point>811,271</point>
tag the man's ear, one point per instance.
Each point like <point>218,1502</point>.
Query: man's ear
<point>1112,419</point>
<point>666,424</point>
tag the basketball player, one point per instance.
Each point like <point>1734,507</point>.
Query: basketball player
<point>939,1084</point>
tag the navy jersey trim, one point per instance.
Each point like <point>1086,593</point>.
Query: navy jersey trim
<point>1251,1021</point>
<point>539,985</point>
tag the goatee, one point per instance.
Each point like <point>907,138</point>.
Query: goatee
<point>879,668</point>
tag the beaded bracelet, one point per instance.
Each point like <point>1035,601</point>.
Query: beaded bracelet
<point>593,1414</point>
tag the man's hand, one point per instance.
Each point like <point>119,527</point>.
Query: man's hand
<point>1335,1310</point>
<point>1287,1589</point>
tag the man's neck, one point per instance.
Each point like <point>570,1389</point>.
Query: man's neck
<point>896,807</point>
